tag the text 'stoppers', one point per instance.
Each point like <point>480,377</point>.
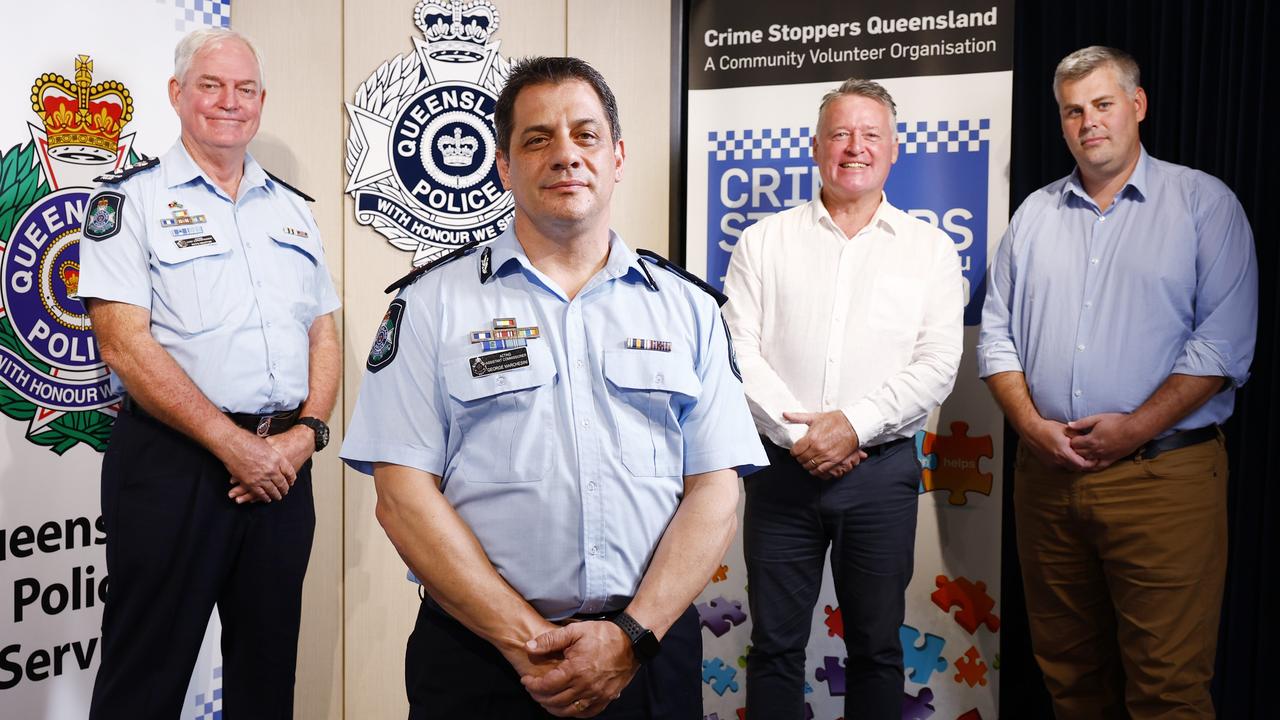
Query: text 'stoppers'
<point>422,151</point>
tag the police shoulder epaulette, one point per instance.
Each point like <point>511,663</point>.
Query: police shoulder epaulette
<point>296,191</point>
<point>117,176</point>
<point>657,259</point>
<point>418,272</point>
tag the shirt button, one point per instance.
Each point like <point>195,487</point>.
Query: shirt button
<point>267,323</point>
<point>580,364</point>
<point>1093,261</point>
<point>658,378</point>
<point>502,382</point>
<point>1088,305</point>
<point>595,549</point>
<point>831,361</point>
<point>1080,348</point>
<point>586,423</point>
<point>248,244</point>
<point>259,283</point>
<point>1102,218</point>
<point>1077,393</point>
<point>591,486</point>
<point>274,365</point>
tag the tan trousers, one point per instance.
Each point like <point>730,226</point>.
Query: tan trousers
<point>1123,571</point>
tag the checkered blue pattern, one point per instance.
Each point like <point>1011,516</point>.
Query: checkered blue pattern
<point>932,136</point>
<point>196,14</point>
<point>773,143</point>
<point>209,707</point>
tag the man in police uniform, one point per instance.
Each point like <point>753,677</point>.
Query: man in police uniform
<point>556,449</point>
<point>206,283</point>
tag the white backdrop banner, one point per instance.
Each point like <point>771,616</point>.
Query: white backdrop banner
<point>756,73</point>
<point>82,92</point>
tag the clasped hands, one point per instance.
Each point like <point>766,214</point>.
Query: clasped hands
<point>577,669</point>
<point>830,448</point>
<point>1086,445</point>
<point>264,469</point>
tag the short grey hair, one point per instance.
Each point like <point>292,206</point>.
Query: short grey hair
<point>1084,61</point>
<point>863,88</point>
<point>198,40</point>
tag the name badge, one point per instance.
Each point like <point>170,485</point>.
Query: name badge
<point>195,241</point>
<point>482,365</point>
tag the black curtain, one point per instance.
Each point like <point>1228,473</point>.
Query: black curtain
<point>1205,67</point>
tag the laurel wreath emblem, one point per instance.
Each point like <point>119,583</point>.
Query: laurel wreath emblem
<point>21,185</point>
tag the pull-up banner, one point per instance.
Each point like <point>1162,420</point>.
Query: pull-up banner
<point>755,74</point>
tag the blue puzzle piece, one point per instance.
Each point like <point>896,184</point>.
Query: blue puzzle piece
<point>719,676</point>
<point>924,659</point>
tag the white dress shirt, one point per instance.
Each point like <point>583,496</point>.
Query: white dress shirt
<point>871,325</point>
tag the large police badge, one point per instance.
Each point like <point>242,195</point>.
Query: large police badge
<point>51,375</point>
<point>421,154</point>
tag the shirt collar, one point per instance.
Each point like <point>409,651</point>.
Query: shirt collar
<point>1136,185</point>
<point>622,263</point>
<point>180,169</point>
<point>883,218</point>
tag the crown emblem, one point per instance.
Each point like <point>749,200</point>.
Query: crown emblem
<point>82,121</point>
<point>456,149</point>
<point>457,30</point>
<point>69,271</point>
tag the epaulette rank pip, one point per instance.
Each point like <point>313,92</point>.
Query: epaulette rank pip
<point>418,272</point>
<point>117,176</point>
<point>657,259</point>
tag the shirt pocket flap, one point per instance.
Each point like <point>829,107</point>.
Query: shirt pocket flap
<point>169,253</point>
<point>652,370</point>
<point>464,385</point>
<point>307,246</point>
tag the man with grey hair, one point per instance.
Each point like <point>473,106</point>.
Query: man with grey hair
<point>848,319</point>
<point>1119,321</point>
<point>205,280</point>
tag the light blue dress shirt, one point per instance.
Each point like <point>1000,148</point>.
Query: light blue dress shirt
<point>1099,308</point>
<point>232,286</point>
<point>567,469</point>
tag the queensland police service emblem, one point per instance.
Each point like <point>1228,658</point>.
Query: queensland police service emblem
<point>421,154</point>
<point>51,375</point>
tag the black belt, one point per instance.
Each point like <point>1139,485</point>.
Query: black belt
<point>883,448</point>
<point>1176,441</point>
<point>261,425</point>
<point>431,603</point>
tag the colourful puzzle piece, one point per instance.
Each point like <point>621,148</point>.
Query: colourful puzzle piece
<point>917,707</point>
<point>972,598</point>
<point>970,669</point>
<point>834,621</point>
<point>971,715</point>
<point>719,615</point>
<point>742,659</point>
<point>832,673</point>
<point>951,462</point>
<point>719,676</point>
<point>721,574</point>
<point>923,660</point>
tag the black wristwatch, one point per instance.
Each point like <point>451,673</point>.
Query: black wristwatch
<point>319,428</point>
<point>643,642</point>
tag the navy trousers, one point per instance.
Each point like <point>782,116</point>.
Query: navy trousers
<point>176,547</point>
<point>868,519</point>
<point>451,673</point>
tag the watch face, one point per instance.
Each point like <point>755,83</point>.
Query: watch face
<point>646,646</point>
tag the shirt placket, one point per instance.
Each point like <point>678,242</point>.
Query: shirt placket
<point>1096,242</point>
<point>586,427</point>
<point>834,345</point>
<point>254,247</point>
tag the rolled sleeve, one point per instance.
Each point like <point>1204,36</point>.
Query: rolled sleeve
<point>1226,307</point>
<point>996,351</point>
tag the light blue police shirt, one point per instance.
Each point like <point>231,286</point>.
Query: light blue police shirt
<point>567,468</point>
<point>232,286</point>
<point>1099,308</point>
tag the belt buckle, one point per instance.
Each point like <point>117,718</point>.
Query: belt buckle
<point>264,426</point>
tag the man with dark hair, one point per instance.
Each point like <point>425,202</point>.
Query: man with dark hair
<point>562,472</point>
<point>849,316</point>
<point>206,282</point>
<point>1119,320</point>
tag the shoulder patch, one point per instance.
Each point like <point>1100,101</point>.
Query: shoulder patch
<point>295,190</point>
<point>657,259</point>
<point>387,340</point>
<point>120,175</point>
<point>102,220</point>
<point>418,272</point>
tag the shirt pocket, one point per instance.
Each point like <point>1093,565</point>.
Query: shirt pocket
<point>296,276</point>
<point>649,391</point>
<point>190,278</point>
<point>505,419</point>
